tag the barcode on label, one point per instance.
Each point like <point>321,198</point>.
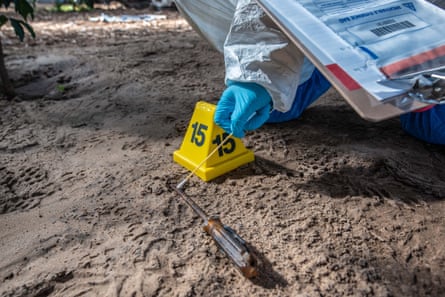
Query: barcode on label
<point>388,29</point>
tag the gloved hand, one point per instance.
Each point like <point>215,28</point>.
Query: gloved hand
<point>242,107</point>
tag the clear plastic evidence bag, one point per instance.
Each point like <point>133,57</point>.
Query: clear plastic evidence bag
<point>385,57</point>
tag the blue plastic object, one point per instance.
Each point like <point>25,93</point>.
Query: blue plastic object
<point>428,125</point>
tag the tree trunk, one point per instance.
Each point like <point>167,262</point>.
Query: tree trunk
<point>8,88</point>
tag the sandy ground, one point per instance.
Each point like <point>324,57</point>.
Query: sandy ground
<point>332,206</point>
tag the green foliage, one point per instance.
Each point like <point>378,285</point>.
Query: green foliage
<point>73,5</point>
<point>25,9</point>
<point>70,8</point>
<point>60,88</point>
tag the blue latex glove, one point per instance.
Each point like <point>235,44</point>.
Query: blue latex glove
<point>242,107</point>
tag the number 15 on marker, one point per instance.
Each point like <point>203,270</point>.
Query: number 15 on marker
<point>199,137</point>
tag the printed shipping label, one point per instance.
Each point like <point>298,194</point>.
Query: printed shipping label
<point>386,28</point>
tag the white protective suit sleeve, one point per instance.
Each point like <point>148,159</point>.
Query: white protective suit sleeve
<point>255,50</point>
<point>210,18</point>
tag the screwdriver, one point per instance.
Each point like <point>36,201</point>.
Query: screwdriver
<point>226,238</point>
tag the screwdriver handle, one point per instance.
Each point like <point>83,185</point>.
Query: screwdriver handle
<point>233,246</point>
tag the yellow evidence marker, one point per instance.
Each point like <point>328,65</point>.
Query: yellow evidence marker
<point>202,137</point>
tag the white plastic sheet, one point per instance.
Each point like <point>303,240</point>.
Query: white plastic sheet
<point>127,18</point>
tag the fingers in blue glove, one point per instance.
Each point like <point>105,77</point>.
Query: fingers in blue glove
<point>224,110</point>
<point>243,107</point>
<point>259,118</point>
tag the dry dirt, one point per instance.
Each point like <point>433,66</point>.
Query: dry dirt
<point>332,206</point>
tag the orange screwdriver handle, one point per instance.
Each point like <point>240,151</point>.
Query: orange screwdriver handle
<point>233,246</point>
